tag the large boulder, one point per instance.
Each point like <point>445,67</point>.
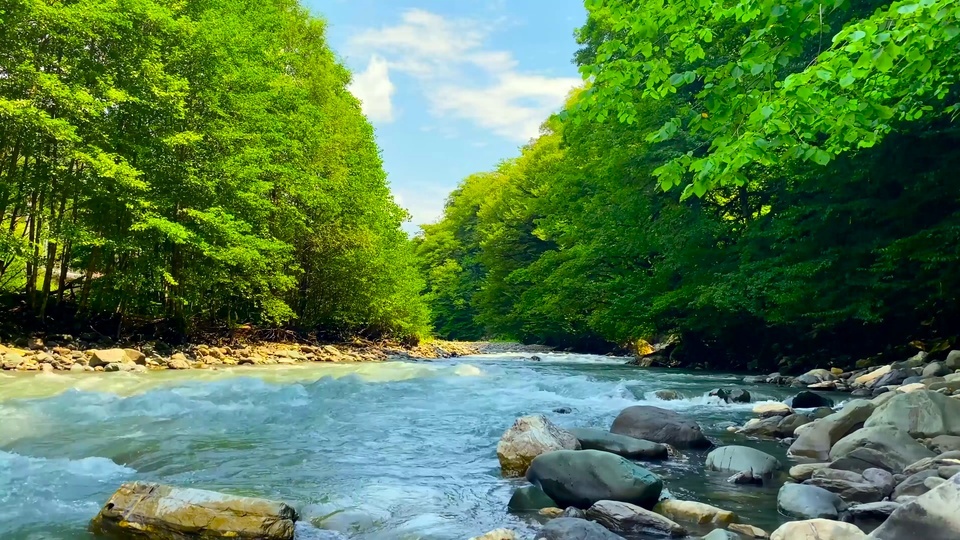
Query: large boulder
<point>931,516</point>
<point>104,357</point>
<point>921,414</point>
<point>529,437</point>
<point>850,486</point>
<point>743,459</point>
<point>530,499</point>
<point>804,471</point>
<point>622,445</point>
<point>914,485</point>
<point>944,443</point>
<point>816,439</point>
<point>953,361</point>
<point>897,448</point>
<point>568,528</point>
<point>808,502</point>
<point>631,520</point>
<point>581,478</point>
<point>808,400</point>
<point>694,512</point>
<point>818,529</point>
<point>180,513</point>
<point>661,426</point>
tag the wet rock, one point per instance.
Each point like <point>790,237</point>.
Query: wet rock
<point>574,512</point>
<point>628,519</point>
<point>563,410</point>
<point>527,438</point>
<point>661,426</point>
<point>804,471</point>
<point>762,427</point>
<point>567,528</point>
<point>499,534</point>
<point>755,379</point>
<point>581,478</point>
<point>694,512</point>
<point>921,414</point>
<point>742,459</point>
<point>622,445</point>
<point>738,395</point>
<point>667,395</point>
<point>808,502</point>
<point>850,486</point>
<point>931,516</point>
<point>815,376</point>
<point>720,534</point>
<point>896,447</point>
<point>818,529</point>
<point>764,410</point>
<point>808,400</point>
<point>171,512</point>
<point>816,439</point>
<point>529,499</point>
<point>914,485</point>
<point>862,459</point>
<point>748,531</point>
<point>551,513</point>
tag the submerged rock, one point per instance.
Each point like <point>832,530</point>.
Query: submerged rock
<point>156,511</point>
<point>661,426</point>
<point>568,528</point>
<point>582,478</point>
<point>631,520</point>
<point>499,534</point>
<point>529,437</point>
<point>667,395</point>
<point>622,445</point>
<point>530,499</point>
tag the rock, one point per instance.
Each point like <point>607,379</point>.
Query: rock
<point>862,459</point>
<point>931,516</point>
<point>933,482</point>
<point>815,376</point>
<point>720,534</point>
<point>896,447</point>
<point>935,369</point>
<point>914,485</point>
<point>694,512</point>
<point>122,366</point>
<point>804,471</point>
<point>921,414</point>
<point>529,437</point>
<point>873,376</point>
<point>46,368</point>
<point>953,361</point>
<point>629,519</point>
<point>788,426</point>
<point>171,512</point>
<point>926,464</point>
<point>563,410</point>
<point>747,478</point>
<point>567,528</point>
<point>755,379</point>
<point>573,512</point>
<point>659,425</point>
<point>764,410</point>
<point>818,529</point>
<point>104,357</point>
<point>499,534</point>
<point>850,486</point>
<point>817,438</point>
<point>748,530</point>
<point>178,361</point>
<point>529,499</point>
<point>622,445</point>
<point>718,393</point>
<point>875,511</point>
<point>894,378</point>
<point>581,478</point>
<point>742,459</point>
<point>808,400</point>
<point>808,502</point>
<point>667,395</point>
<point>880,478</point>
<point>738,395</point>
<point>550,512</point>
<point>908,388</point>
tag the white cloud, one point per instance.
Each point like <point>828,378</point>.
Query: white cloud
<point>374,89</point>
<point>461,77</point>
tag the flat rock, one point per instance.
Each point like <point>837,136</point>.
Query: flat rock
<point>875,511</point>
<point>764,410</point>
<point>529,499</point>
<point>694,512</point>
<point>660,426</point>
<point>622,445</point>
<point>749,531</point>
<point>872,376</point>
<point>171,512</point>
<point>804,471</point>
<point>628,519</point>
<point>526,439</point>
<point>914,485</point>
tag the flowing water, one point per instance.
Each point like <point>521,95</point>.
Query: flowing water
<point>395,450</point>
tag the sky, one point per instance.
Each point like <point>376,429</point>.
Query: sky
<point>453,86</point>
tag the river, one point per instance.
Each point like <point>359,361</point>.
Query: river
<point>396,450</point>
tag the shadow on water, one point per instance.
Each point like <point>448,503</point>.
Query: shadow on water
<point>371,451</point>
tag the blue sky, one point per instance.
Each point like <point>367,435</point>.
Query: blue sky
<point>453,86</point>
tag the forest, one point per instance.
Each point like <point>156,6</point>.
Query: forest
<point>772,185</point>
<point>173,166</point>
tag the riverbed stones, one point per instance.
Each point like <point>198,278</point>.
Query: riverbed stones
<point>808,502</point>
<point>694,512</point>
<point>872,376</point>
<point>632,520</point>
<point>920,414</point>
<point>764,410</point>
<point>182,513</point>
<point>944,443</point>
<point>622,445</point>
<point>499,534</point>
<point>747,530</point>
<point>875,512</point>
<point>178,361</point>
<point>660,426</point>
<point>817,438</point>
<point>743,459</point>
<point>804,471</point>
<point>808,400</point>
<point>953,361</point>
<point>914,485</point>
<point>818,529</point>
<point>581,478</point>
<point>530,499</point>
<point>896,447</point>
<point>931,516</point>
<point>568,528</point>
<point>850,486</point>
<point>105,357</point>
<point>815,376</point>
<point>529,437</point>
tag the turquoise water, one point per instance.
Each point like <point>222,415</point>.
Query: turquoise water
<point>369,451</point>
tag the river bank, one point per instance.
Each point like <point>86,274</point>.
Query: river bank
<point>100,354</point>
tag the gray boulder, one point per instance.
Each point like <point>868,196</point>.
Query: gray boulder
<point>894,378</point>
<point>944,443</point>
<point>622,445</point>
<point>931,516</point>
<point>526,439</point>
<point>935,369</point>
<point>668,395</point>
<point>530,499</point>
<point>631,520</point>
<point>738,395</point>
<point>808,400</point>
<point>815,376</point>
<point>581,478</point>
<point>742,459</point>
<point>850,486</point>
<point>816,440</point>
<point>882,479</point>
<point>953,361</point>
<point>897,448</point>
<point>808,502</point>
<point>862,459</point>
<point>922,413</point>
<point>871,512</point>
<point>568,528</point>
<point>914,485</point>
<point>661,426</point>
